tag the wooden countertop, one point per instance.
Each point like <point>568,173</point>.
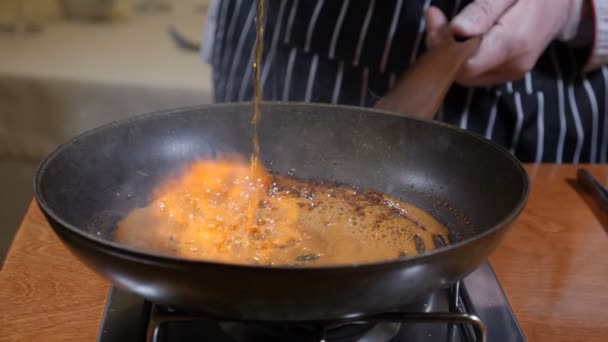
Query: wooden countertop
<point>552,266</point>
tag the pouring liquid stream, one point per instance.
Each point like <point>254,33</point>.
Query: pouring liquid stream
<point>256,168</point>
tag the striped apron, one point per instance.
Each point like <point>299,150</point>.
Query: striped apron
<point>351,52</point>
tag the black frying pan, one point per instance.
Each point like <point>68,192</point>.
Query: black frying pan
<point>92,181</point>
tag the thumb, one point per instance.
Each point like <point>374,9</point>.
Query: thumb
<point>479,16</point>
<point>435,22</point>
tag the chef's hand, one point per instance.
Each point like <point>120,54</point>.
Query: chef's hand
<point>515,34</point>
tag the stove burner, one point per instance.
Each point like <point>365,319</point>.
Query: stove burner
<point>365,332</point>
<point>454,315</point>
<point>375,328</point>
<point>167,321</point>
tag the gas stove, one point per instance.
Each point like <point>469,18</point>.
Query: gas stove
<point>475,309</point>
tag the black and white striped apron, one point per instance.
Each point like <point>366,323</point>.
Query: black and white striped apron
<point>351,51</point>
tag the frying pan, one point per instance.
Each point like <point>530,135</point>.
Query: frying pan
<point>473,186</point>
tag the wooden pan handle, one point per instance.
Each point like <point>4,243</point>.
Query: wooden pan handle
<point>422,89</point>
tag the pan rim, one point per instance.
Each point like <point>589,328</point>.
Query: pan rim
<point>147,256</point>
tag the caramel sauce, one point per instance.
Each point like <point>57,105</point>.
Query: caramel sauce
<point>204,214</point>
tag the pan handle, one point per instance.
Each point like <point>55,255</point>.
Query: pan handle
<point>422,89</point>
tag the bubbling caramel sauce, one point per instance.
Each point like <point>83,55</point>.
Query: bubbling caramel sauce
<point>205,214</point>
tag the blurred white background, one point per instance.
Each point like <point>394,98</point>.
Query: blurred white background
<point>61,75</point>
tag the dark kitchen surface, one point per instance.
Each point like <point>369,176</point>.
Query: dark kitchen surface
<point>549,265</point>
